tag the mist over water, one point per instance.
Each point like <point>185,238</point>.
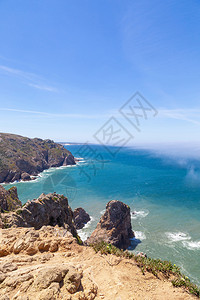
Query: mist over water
<point>160,184</point>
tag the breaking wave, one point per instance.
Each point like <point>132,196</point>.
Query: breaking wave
<point>139,214</point>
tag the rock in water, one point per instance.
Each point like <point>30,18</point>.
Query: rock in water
<point>81,217</point>
<point>114,226</point>
<point>9,199</point>
<point>25,176</point>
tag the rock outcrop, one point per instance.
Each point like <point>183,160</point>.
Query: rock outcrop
<point>114,226</point>
<point>51,209</point>
<point>81,217</point>
<point>30,241</point>
<point>21,157</point>
<point>48,263</point>
<point>9,199</point>
<point>33,268</point>
<point>39,266</point>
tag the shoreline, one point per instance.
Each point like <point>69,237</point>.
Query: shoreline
<point>37,176</point>
<point>77,159</point>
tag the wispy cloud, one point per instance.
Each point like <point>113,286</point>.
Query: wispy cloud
<point>43,87</point>
<point>78,116</point>
<point>30,79</point>
<point>18,73</point>
<point>187,115</point>
<point>190,115</point>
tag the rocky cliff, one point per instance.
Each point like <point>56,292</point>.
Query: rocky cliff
<point>41,257</point>
<point>22,157</point>
<point>48,264</point>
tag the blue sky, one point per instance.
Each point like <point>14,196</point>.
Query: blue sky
<point>67,66</point>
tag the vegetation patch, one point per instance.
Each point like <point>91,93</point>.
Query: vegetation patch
<point>154,266</point>
<point>79,240</point>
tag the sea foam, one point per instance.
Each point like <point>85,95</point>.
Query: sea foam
<point>140,235</point>
<point>139,214</point>
<point>84,233</point>
<point>192,245</point>
<point>178,236</point>
<point>89,223</point>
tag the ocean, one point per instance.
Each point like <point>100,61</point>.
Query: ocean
<point>162,190</point>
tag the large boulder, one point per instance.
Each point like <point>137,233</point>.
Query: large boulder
<point>81,217</point>
<point>9,199</point>
<point>25,176</point>
<point>114,226</point>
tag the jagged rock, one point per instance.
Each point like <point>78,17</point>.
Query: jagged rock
<point>81,217</point>
<point>9,199</point>
<point>114,226</point>
<point>51,209</point>
<point>21,157</point>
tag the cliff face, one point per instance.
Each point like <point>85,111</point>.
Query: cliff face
<point>21,157</point>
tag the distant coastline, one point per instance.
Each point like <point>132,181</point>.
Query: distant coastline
<point>22,158</point>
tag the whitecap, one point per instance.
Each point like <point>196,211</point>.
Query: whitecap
<point>89,223</point>
<point>80,162</point>
<point>140,235</point>
<point>102,212</point>
<point>192,245</point>
<point>178,236</point>
<point>83,235</point>
<point>139,214</point>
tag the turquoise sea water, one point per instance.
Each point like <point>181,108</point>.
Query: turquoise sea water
<point>163,191</point>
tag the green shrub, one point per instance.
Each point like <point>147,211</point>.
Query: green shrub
<point>184,281</point>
